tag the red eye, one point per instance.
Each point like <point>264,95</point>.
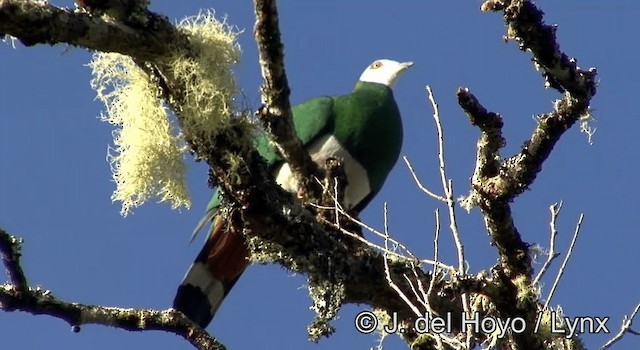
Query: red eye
<point>376,65</point>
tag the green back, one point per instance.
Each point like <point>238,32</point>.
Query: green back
<point>311,119</point>
<point>366,122</point>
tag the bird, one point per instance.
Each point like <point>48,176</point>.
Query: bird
<point>362,128</point>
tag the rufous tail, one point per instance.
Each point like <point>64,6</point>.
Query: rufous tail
<point>220,263</point>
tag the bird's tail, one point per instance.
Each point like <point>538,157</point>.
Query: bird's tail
<point>212,275</point>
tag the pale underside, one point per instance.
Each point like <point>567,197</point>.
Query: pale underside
<point>325,147</point>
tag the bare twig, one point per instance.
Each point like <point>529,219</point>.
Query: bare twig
<point>434,272</point>
<point>423,298</point>
<point>414,289</point>
<point>564,263</point>
<point>419,183</point>
<point>447,185</point>
<point>387,274</point>
<point>338,208</point>
<point>333,188</point>
<point>277,115</point>
<point>625,328</point>
<point>552,254</point>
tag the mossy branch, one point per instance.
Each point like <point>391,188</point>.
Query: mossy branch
<point>17,295</point>
<point>276,114</point>
<point>34,22</point>
<point>497,182</point>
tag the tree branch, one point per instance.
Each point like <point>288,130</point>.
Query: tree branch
<point>552,254</point>
<point>526,26</point>
<point>627,322</point>
<point>491,139</point>
<point>18,296</point>
<point>496,183</point>
<point>42,23</point>
<point>10,253</point>
<point>276,115</point>
<point>565,261</point>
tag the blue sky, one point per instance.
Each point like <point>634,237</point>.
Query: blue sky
<point>56,184</point>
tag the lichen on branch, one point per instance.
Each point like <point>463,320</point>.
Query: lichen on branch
<point>147,160</point>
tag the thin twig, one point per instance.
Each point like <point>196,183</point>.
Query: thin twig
<point>337,204</point>
<point>552,255</point>
<point>627,321</point>
<point>395,242</point>
<point>423,298</point>
<point>392,284</point>
<point>419,183</point>
<point>566,260</point>
<point>340,210</point>
<point>414,290</point>
<point>447,185</point>
<point>434,272</point>
<point>338,207</point>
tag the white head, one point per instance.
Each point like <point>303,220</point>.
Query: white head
<point>384,72</point>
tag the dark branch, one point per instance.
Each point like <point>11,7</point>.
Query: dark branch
<point>18,296</point>
<point>526,26</point>
<point>42,23</point>
<point>491,140</point>
<point>119,10</point>
<point>277,115</point>
<point>495,182</point>
<point>523,168</point>
<point>505,236</point>
<point>10,248</point>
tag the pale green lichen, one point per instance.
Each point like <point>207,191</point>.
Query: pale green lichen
<point>327,299</point>
<point>587,126</point>
<point>469,202</point>
<point>527,294</point>
<point>207,77</point>
<point>148,158</point>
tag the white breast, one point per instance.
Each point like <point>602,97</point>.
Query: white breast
<point>323,148</point>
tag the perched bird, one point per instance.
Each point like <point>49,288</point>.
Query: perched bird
<point>362,128</point>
